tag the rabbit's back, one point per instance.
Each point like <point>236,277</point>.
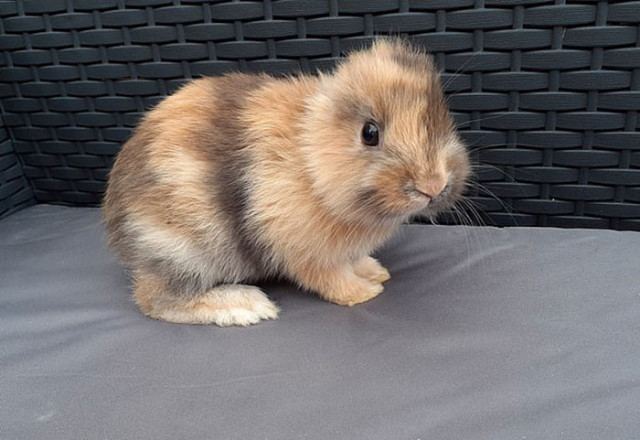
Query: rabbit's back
<point>177,192</point>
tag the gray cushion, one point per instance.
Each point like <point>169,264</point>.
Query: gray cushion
<point>482,333</point>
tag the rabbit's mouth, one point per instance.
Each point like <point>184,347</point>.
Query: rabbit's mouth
<point>423,201</point>
<point>429,197</point>
<point>406,201</point>
<point>447,201</point>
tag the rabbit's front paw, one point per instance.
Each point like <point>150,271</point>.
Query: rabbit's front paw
<point>369,268</point>
<point>351,291</point>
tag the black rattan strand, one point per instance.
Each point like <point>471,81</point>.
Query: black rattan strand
<point>15,192</point>
<point>545,93</point>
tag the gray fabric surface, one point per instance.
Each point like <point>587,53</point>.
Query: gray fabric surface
<point>482,333</point>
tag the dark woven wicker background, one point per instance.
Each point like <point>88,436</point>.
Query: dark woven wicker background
<point>15,192</point>
<point>546,92</point>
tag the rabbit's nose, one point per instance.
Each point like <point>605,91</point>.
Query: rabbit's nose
<point>433,186</point>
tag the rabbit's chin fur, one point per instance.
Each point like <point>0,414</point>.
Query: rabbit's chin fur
<point>240,178</point>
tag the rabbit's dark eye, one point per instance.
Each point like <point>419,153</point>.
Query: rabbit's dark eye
<point>370,134</point>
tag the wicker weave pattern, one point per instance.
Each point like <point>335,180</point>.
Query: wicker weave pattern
<point>546,93</point>
<point>15,192</point>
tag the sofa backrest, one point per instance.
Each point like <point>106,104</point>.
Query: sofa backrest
<point>15,191</point>
<point>546,94</point>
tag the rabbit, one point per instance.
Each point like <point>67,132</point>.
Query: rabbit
<point>245,177</point>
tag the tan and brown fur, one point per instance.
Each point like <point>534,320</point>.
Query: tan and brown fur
<point>235,179</point>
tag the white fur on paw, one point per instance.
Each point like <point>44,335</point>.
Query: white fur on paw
<point>226,305</point>
<point>258,310</point>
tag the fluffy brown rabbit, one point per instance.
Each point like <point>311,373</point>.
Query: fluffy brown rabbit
<point>243,177</point>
